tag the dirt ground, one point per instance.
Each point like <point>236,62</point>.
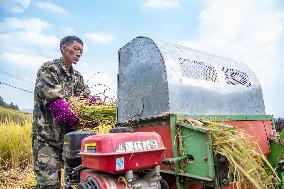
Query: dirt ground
<point>17,179</point>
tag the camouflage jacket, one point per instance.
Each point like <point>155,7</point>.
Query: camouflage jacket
<point>53,82</point>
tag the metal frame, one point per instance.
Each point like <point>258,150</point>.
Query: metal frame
<point>172,119</point>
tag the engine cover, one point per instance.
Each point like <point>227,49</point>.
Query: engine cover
<point>120,152</point>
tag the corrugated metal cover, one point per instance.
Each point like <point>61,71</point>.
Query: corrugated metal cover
<point>156,77</point>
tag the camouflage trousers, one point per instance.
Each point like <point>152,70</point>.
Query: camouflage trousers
<point>47,165</point>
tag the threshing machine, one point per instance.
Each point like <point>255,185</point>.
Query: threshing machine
<point>159,86</point>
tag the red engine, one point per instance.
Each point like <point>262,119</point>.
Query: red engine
<point>120,152</point>
<point>123,160</point>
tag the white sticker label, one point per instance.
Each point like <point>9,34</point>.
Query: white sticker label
<point>131,146</point>
<point>119,163</point>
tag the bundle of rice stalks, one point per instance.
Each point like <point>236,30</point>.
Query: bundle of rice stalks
<point>248,167</point>
<point>99,117</point>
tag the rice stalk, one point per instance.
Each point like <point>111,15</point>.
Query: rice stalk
<point>16,116</point>
<point>99,117</point>
<point>15,152</point>
<point>247,164</point>
<point>15,146</point>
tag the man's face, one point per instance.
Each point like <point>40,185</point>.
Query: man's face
<point>72,52</point>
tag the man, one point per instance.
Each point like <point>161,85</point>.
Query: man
<point>52,117</point>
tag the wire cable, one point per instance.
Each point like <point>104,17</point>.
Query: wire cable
<point>15,87</point>
<point>16,77</point>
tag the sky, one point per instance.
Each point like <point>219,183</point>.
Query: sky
<point>251,31</point>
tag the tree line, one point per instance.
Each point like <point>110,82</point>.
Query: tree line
<point>6,105</point>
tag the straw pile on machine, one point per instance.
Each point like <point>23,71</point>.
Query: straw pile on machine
<point>248,167</point>
<point>96,116</point>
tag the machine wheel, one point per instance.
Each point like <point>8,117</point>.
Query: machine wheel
<point>164,184</point>
<point>89,183</point>
<point>67,186</point>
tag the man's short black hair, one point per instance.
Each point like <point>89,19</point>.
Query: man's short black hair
<point>69,39</point>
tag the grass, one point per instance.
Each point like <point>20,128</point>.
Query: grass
<point>15,116</point>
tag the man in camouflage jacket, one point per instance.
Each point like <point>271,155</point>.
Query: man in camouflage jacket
<point>52,117</point>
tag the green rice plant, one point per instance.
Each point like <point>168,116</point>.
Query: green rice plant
<point>15,144</point>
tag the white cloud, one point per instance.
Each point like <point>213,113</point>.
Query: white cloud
<point>99,72</point>
<point>249,30</point>
<point>15,6</point>
<point>101,83</point>
<point>22,59</point>
<point>161,4</point>
<point>31,24</point>
<point>25,47</point>
<point>238,20</point>
<point>102,38</point>
<point>68,31</point>
<point>23,42</point>
<point>29,41</point>
<point>246,30</point>
<point>51,7</point>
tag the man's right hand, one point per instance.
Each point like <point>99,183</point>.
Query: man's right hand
<point>94,99</point>
<point>62,113</point>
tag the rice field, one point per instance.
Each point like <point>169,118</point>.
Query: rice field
<point>15,147</point>
<point>15,150</point>
<point>14,116</point>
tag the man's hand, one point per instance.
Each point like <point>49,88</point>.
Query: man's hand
<point>62,113</point>
<point>94,99</point>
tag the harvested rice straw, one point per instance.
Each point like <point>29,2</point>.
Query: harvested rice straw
<point>248,166</point>
<point>99,117</point>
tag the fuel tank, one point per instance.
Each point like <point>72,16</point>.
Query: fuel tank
<point>120,152</point>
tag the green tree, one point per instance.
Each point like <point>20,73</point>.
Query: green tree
<point>5,105</point>
<point>2,103</point>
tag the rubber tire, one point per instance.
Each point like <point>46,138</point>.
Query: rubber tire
<point>67,186</point>
<point>94,181</point>
<point>164,184</point>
